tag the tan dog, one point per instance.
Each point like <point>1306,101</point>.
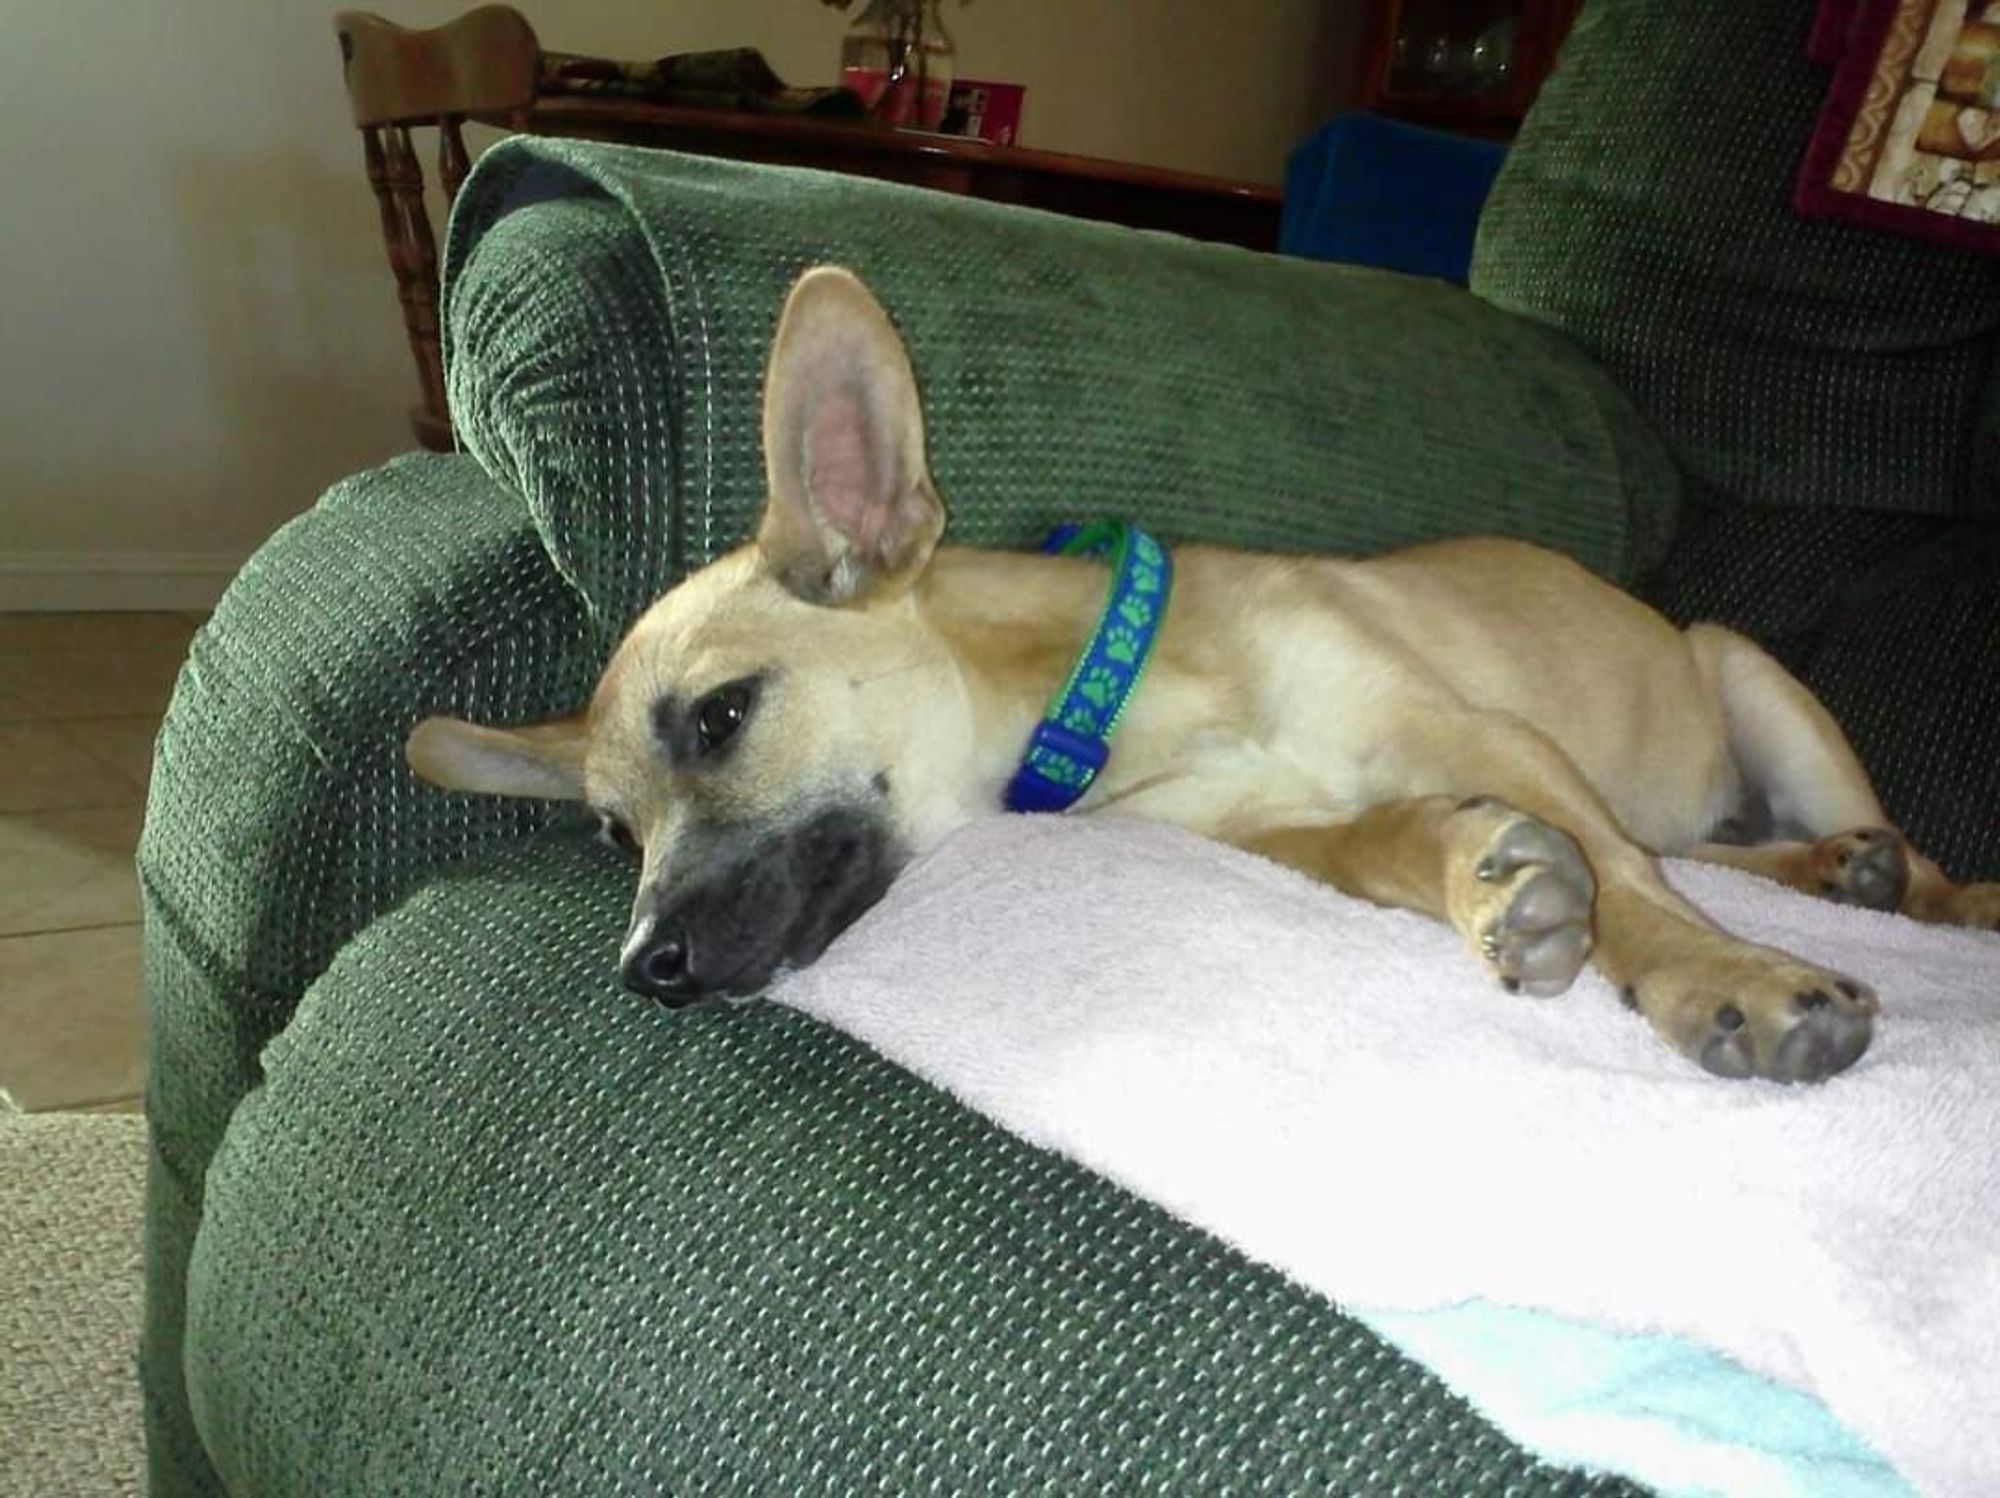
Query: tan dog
<point>1479,730</point>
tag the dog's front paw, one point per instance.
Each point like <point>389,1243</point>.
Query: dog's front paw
<point>1521,895</point>
<point>1745,1011</point>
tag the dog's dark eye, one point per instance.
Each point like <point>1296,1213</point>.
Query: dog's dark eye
<point>720,714</point>
<point>616,833</point>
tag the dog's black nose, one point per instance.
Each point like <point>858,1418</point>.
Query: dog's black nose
<point>661,967</point>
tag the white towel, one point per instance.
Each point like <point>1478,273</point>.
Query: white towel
<point>1338,1091</point>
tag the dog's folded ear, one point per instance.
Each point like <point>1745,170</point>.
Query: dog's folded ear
<point>540,759</point>
<point>852,511</point>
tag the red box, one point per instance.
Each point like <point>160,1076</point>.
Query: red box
<point>984,110</point>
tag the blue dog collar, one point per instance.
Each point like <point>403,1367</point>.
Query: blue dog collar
<point>1073,740</point>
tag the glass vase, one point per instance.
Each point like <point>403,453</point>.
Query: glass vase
<point>900,59</point>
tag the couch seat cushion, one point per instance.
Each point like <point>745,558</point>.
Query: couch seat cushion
<point>491,1222</point>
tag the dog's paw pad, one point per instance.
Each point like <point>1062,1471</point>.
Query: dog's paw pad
<point>1827,1037</point>
<point>1727,1052</point>
<point>1786,1023</point>
<point>1533,920</point>
<point>1867,867</point>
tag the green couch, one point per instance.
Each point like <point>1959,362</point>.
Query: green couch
<point>434,1206</point>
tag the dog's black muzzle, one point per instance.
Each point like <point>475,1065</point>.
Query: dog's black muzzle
<point>752,905</point>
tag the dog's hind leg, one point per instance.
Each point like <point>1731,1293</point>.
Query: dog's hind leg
<point>1828,834</point>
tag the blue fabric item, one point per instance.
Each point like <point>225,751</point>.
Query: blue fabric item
<point>1073,740</point>
<point>1682,1418</point>
<point>1365,190</point>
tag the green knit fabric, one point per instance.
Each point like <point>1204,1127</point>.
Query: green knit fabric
<point>493,1225</point>
<point>1644,210</point>
<point>282,821</point>
<point>610,310</point>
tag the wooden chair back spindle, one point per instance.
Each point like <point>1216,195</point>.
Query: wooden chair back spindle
<point>482,66</point>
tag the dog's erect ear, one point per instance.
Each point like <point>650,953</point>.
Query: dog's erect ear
<point>851,506</point>
<point>542,759</point>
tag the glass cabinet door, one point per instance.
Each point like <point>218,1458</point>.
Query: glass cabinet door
<point>1465,64</point>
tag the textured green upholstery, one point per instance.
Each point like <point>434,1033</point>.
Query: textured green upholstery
<point>282,821</point>
<point>1067,368</point>
<point>1645,211</point>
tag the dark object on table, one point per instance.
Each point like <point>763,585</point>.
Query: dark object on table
<point>736,78</point>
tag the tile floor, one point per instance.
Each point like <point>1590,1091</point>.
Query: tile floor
<point>80,701</point>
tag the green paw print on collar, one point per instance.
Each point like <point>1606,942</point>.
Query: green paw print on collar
<point>1099,686</point>
<point>1058,767</point>
<point>1136,612</point>
<point>1121,643</point>
<point>1080,720</point>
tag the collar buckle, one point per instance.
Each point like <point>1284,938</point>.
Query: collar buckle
<point>1057,768</point>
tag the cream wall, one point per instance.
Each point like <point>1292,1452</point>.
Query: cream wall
<point>199,329</point>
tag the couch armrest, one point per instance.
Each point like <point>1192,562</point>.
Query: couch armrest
<point>608,313</point>
<point>282,818</point>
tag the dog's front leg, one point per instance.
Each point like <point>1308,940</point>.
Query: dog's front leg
<point>1516,889</point>
<point>1738,1009</point>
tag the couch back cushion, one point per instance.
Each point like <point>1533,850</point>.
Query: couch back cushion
<point>1645,211</point>
<point>1892,619</point>
<point>609,312</point>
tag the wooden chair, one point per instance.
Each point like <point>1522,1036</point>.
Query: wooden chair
<point>482,66</point>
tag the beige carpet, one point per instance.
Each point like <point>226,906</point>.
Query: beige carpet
<point>70,1192</point>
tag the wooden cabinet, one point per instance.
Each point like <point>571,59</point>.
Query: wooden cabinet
<point>1467,65</point>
